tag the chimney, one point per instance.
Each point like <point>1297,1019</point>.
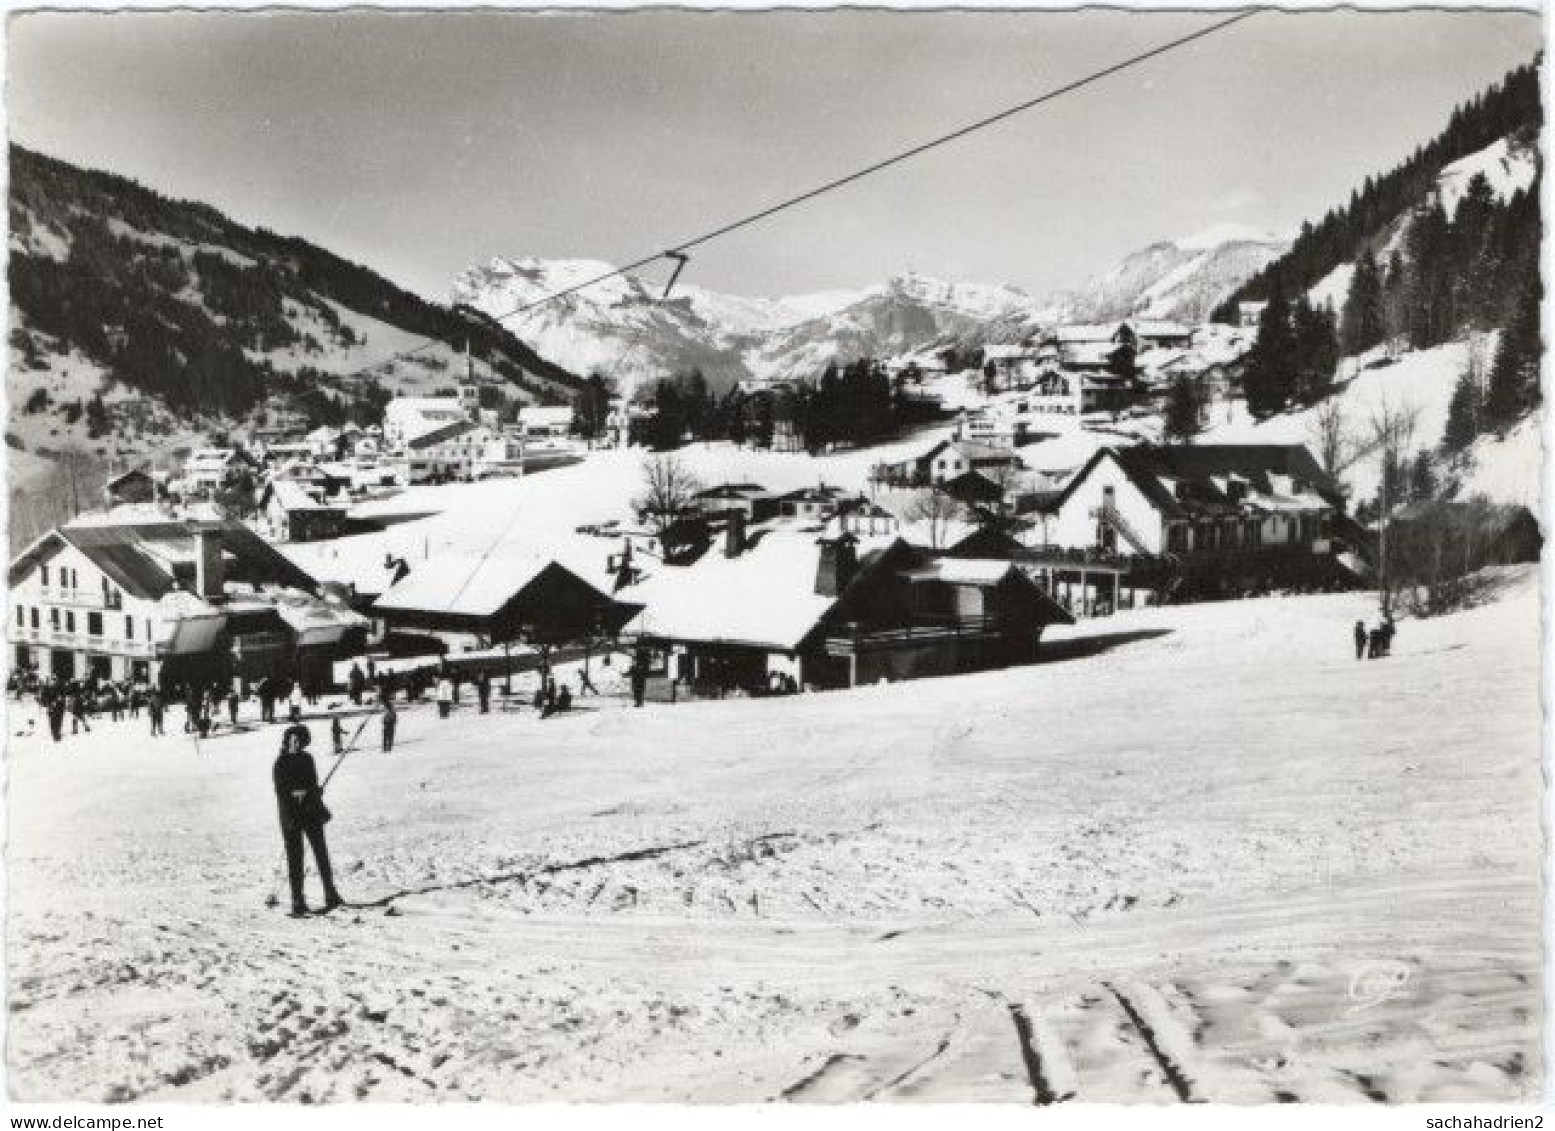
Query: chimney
<point>838,564</point>
<point>209,572</point>
<point>734,534</point>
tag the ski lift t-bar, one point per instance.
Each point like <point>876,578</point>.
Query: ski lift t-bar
<point>681,259</point>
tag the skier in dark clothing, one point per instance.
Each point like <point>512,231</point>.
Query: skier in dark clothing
<point>1387,636</point>
<point>357,683</point>
<point>154,709</point>
<point>483,692</point>
<point>1374,644</point>
<point>390,719</point>
<point>55,705</point>
<point>639,678</point>
<point>337,733</point>
<point>77,706</point>
<point>302,812</point>
<point>232,704</point>
<point>1360,640</point>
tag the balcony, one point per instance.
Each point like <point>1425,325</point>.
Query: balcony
<point>80,598</point>
<point>842,639</point>
<point>60,638</point>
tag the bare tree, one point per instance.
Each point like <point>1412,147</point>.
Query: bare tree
<point>1391,432</point>
<point>936,510</point>
<point>1330,432</point>
<point>668,489</point>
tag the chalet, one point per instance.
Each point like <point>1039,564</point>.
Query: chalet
<point>130,487</point>
<point>818,502</point>
<point>446,452</point>
<point>950,459</point>
<point>546,422</point>
<point>1197,498</point>
<point>211,469</point>
<point>836,612</point>
<point>407,418</point>
<point>498,453</point>
<point>1475,534</point>
<point>477,601</point>
<point>168,601</point>
<point>294,513</point>
<point>1011,366</point>
<point>750,499</point>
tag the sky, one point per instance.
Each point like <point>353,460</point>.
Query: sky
<point>422,143</point>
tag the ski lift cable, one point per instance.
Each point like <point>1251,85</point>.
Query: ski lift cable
<point>518,511</point>
<point>677,251</point>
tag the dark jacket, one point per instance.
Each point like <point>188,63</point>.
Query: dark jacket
<point>295,773</point>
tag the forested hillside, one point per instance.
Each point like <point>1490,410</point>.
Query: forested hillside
<point>1444,245</point>
<point>172,299</point>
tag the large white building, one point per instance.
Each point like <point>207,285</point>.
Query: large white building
<point>1195,498</point>
<point>409,418</point>
<point>166,601</point>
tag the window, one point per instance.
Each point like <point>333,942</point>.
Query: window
<point>129,628</point>
<point>70,621</point>
<point>43,574</point>
<point>54,618</point>
<point>34,615</point>
<point>21,617</point>
<point>94,624</point>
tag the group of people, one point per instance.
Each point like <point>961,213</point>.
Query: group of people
<point>1376,642</point>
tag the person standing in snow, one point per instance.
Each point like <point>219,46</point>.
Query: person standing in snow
<point>76,703</point>
<point>154,709</point>
<point>294,702</point>
<point>639,679</point>
<point>445,697</point>
<point>300,802</point>
<point>356,682</point>
<point>1360,640</point>
<point>54,706</point>
<point>483,691</point>
<point>234,694</point>
<point>337,733</point>
<point>390,720</point>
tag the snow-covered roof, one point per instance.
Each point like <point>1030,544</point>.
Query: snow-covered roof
<point>763,597</point>
<point>981,572</point>
<point>465,584</point>
<point>546,415</point>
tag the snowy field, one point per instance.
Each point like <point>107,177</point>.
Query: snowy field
<point>1199,854</point>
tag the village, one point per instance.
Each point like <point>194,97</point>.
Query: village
<point>291,559</point>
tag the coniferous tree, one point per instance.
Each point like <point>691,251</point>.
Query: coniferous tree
<point>1183,415</point>
<point>1270,376</point>
<point>1364,323</point>
<point>1513,386</point>
<point>1315,345</point>
<point>1463,413</point>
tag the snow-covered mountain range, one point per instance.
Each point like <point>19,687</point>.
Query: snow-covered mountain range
<point>1182,279</point>
<point>624,328</point>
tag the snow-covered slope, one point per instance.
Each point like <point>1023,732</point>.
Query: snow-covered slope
<point>625,328</point>
<point>1303,878</point>
<point>1509,166</point>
